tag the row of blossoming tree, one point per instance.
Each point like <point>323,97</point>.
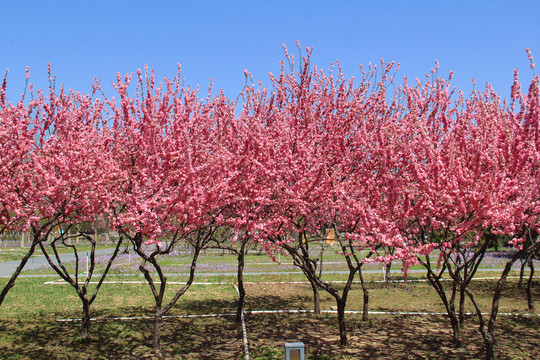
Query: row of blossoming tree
<point>413,172</point>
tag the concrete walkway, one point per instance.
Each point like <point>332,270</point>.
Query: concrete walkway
<point>35,262</point>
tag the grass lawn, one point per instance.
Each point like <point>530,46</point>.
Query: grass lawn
<point>29,330</point>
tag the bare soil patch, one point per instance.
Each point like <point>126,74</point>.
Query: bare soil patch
<point>382,337</point>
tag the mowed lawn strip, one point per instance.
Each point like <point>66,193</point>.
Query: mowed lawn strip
<point>29,312</point>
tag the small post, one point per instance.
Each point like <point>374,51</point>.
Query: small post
<point>294,351</point>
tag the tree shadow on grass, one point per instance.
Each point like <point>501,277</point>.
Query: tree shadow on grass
<point>205,338</point>
<point>382,337</point>
<point>197,338</point>
<point>48,339</point>
<point>273,302</point>
<point>388,337</point>
<point>207,306</point>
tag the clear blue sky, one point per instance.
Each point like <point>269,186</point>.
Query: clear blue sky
<point>217,40</point>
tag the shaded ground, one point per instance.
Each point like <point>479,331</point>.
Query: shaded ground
<point>394,337</point>
<point>383,337</point>
<point>28,329</point>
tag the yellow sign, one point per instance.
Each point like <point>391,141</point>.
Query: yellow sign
<point>330,236</point>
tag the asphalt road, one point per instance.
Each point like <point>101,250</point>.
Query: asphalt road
<point>8,268</point>
<point>35,262</point>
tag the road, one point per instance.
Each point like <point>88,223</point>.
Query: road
<point>8,268</point>
<point>35,262</point>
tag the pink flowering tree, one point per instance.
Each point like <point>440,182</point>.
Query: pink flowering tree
<point>56,178</point>
<point>320,131</point>
<point>165,144</point>
<point>470,169</point>
<point>518,215</point>
<point>74,170</point>
<point>421,210</point>
<point>19,200</point>
<point>244,177</point>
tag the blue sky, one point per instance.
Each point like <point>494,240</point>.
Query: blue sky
<point>217,40</point>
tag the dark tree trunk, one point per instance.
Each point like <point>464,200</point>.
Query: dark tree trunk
<point>21,266</point>
<point>489,342</point>
<point>454,317</point>
<point>448,304</point>
<point>365,310</point>
<point>85,330</point>
<point>454,321</point>
<point>462,305</point>
<point>387,270</point>
<point>241,290</point>
<point>488,335</point>
<point>530,301</point>
<point>321,261</point>
<point>341,303</point>
<point>302,260</point>
<point>316,298</point>
<point>158,317</point>
<point>342,323</point>
<point>159,293</point>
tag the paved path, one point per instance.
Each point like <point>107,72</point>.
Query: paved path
<point>8,268</point>
<point>35,262</point>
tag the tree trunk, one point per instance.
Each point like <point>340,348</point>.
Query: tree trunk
<point>341,321</point>
<point>461,305</point>
<point>321,261</point>
<point>521,273</point>
<point>11,281</point>
<point>85,331</point>
<point>489,337</point>
<point>22,239</point>
<point>530,301</point>
<point>158,317</point>
<point>388,268</point>
<point>241,290</point>
<point>365,310</point>
<point>316,298</point>
<point>489,341</point>
<point>449,306</point>
<point>454,321</point>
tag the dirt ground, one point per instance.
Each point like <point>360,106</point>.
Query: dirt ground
<point>382,337</point>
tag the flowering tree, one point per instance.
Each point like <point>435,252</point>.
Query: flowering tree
<point>420,175</point>
<point>18,204</point>
<point>321,135</point>
<point>164,144</point>
<point>521,218</point>
<point>470,165</point>
<point>75,171</point>
<point>56,176</point>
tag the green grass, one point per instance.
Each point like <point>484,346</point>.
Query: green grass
<point>28,326</point>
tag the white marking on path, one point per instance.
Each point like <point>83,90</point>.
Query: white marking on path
<point>293,311</point>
